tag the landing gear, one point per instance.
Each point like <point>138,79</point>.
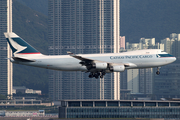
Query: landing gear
<point>102,74</point>
<point>158,72</point>
<point>91,75</point>
<point>97,75</point>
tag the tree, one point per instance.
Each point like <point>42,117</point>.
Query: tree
<point>2,97</point>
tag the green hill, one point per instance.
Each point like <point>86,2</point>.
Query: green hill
<point>32,26</point>
<point>37,5</point>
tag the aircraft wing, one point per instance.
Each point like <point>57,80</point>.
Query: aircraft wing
<point>87,61</point>
<point>79,57</point>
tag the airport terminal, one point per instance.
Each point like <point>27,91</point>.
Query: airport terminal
<point>119,109</point>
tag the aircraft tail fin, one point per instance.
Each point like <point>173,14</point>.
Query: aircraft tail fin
<point>19,46</point>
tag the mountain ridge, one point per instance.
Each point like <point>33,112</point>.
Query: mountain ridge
<point>32,26</point>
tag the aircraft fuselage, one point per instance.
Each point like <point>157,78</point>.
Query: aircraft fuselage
<point>132,60</point>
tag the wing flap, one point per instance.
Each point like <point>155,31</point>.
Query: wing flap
<point>84,61</point>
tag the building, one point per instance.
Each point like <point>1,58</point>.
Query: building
<point>84,26</point>
<point>167,84</point>
<point>175,42</point>
<point>147,43</point>
<point>146,77</point>
<point>171,45</point>
<point>167,45</point>
<point>122,42</point>
<point>5,52</point>
<point>119,109</point>
<point>133,80</point>
<point>140,81</point>
<point>37,113</point>
<point>24,90</point>
<point>2,113</point>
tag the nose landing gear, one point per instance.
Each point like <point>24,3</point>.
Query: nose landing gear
<point>158,72</point>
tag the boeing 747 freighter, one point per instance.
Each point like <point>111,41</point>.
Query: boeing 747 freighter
<point>96,64</point>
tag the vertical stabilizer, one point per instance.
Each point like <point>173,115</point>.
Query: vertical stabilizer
<point>19,46</point>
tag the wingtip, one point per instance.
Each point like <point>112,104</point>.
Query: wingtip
<point>70,53</point>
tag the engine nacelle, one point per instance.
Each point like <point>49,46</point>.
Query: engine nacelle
<point>118,68</point>
<point>100,65</point>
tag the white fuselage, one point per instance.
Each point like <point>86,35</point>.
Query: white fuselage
<point>134,59</point>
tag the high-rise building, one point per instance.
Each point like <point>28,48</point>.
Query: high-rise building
<point>167,84</point>
<point>5,52</point>
<point>167,45</point>
<point>133,80</point>
<point>122,42</point>
<point>141,80</point>
<point>175,43</point>
<point>146,80</point>
<point>83,26</point>
<point>147,43</point>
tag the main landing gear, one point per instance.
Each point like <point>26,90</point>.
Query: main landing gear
<point>158,72</point>
<point>97,75</point>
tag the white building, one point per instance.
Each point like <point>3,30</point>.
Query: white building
<point>147,43</point>
<point>37,113</point>
<point>133,80</point>
<point>23,90</point>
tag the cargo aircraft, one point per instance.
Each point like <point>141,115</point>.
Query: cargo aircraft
<point>96,64</point>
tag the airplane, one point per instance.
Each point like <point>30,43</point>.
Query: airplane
<point>96,64</point>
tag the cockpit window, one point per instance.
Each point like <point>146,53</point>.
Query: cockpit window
<point>165,55</point>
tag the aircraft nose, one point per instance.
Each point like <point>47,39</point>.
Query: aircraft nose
<point>173,59</point>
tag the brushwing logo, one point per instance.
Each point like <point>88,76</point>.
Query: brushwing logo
<point>16,46</point>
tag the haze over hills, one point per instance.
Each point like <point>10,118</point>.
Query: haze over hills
<point>38,5</point>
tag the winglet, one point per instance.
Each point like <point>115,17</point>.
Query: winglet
<point>70,53</point>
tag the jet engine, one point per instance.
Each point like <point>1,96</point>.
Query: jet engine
<point>100,65</point>
<point>119,68</point>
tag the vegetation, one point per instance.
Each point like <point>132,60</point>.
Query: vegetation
<point>2,97</point>
<point>38,5</point>
<point>32,26</point>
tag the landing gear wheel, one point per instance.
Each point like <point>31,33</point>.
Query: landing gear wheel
<point>91,75</point>
<point>101,76</point>
<point>96,76</point>
<point>103,73</point>
<point>157,72</point>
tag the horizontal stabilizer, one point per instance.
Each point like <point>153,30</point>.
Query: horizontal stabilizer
<point>18,59</point>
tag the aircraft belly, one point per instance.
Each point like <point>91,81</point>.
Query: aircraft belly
<point>65,65</point>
